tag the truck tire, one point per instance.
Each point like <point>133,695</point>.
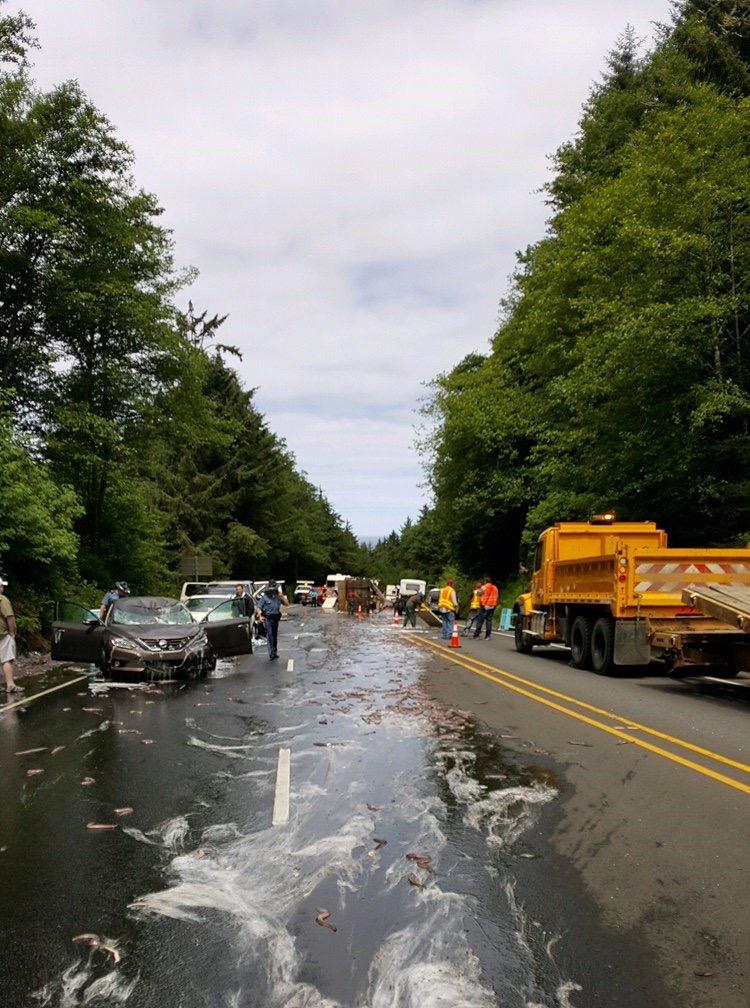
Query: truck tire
<point>580,643</point>
<point>524,644</point>
<point>603,647</point>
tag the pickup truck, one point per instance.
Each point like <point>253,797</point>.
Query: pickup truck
<point>613,593</point>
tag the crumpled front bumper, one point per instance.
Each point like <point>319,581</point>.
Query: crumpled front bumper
<point>139,663</point>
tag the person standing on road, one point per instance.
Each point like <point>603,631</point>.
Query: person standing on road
<point>8,640</point>
<point>475,606</point>
<point>410,609</point>
<point>489,597</point>
<point>242,605</point>
<point>447,606</point>
<point>269,610</point>
<point>120,590</point>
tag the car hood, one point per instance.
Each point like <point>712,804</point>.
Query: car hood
<point>155,631</point>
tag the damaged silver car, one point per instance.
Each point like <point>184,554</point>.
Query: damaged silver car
<point>149,638</point>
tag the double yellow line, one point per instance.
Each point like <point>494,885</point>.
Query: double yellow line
<point>620,729</point>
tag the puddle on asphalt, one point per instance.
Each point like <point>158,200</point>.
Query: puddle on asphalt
<point>407,821</point>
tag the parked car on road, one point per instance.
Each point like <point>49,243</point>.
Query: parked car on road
<point>200,605</point>
<point>151,637</point>
<point>302,591</point>
<point>216,607</point>
<point>190,588</point>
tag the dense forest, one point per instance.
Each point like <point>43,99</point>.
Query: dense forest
<point>620,372</point>
<point>127,440</point>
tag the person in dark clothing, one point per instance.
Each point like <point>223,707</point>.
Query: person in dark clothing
<point>269,610</point>
<point>242,603</point>
<point>410,609</point>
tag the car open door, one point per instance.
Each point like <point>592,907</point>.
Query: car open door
<point>77,634</point>
<point>228,636</point>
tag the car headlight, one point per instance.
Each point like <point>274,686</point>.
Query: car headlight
<point>200,639</point>
<point>124,642</point>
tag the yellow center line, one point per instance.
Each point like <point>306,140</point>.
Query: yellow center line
<point>617,732</point>
<point>627,722</point>
<point>36,696</point>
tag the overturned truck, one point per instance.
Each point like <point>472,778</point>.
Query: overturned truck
<point>618,596</point>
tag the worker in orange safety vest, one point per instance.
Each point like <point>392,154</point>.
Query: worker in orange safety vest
<point>489,597</point>
<point>447,606</point>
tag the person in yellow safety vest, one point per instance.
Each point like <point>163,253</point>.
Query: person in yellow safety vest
<point>447,606</point>
<point>489,597</point>
<point>474,606</point>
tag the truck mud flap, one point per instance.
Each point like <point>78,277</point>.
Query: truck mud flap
<point>631,643</point>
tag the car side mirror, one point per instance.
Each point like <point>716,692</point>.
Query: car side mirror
<point>94,622</point>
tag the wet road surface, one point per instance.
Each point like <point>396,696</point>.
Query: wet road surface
<point>651,815</point>
<point>413,831</point>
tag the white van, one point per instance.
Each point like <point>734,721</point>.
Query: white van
<point>225,588</point>
<point>410,586</point>
<point>334,582</point>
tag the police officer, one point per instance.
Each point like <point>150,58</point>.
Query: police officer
<point>269,610</point>
<point>120,590</point>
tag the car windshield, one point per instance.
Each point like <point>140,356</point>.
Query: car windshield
<point>143,612</point>
<point>226,590</point>
<point>203,602</point>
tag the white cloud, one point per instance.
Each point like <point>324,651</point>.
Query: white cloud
<point>351,178</point>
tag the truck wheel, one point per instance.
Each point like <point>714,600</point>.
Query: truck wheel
<point>523,643</point>
<point>580,643</point>
<point>603,647</point>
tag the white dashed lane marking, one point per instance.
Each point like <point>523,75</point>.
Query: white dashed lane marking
<point>281,798</point>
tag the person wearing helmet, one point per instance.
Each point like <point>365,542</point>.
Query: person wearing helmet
<point>269,612</point>
<point>119,591</point>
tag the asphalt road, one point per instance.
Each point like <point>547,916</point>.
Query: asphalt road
<point>654,813</point>
<point>549,869</point>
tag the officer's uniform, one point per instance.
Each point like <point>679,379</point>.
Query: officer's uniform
<point>270,606</point>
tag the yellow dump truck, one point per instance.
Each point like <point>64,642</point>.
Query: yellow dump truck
<point>613,593</point>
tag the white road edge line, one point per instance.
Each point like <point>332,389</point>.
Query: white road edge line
<point>281,798</point>
<point>38,696</point>
<point>290,665</point>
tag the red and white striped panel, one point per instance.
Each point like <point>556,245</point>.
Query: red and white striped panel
<point>682,574</point>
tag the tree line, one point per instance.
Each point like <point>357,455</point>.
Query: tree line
<point>127,439</point>
<point>619,375</point>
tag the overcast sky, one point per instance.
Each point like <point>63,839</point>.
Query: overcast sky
<point>352,179</point>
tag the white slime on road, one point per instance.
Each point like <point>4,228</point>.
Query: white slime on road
<point>263,882</point>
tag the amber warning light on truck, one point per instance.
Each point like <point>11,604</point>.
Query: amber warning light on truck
<point>604,519</point>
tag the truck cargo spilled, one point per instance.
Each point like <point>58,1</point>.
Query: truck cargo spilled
<point>391,883</point>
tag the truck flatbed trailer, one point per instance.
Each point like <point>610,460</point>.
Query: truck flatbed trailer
<point>729,603</point>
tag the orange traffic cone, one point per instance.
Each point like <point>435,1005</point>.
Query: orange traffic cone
<point>455,642</point>
<point>395,621</point>
<point>359,612</point>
